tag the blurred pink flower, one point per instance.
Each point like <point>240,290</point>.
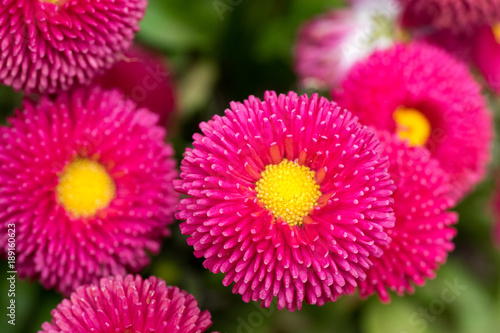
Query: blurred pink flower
<point>144,77</point>
<point>455,15</point>
<point>421,237</point>
<point>47,46</point>
<point>329,45</point>
<point>287,197</point>
<point>430,98</point>
<point>487,55</point>
<point>87,182</point>
<point>128,304</point>
<point>458,44</point>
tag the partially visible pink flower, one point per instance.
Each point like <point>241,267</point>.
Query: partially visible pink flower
<point>47,46</point>
<point>487,55</point>
<point>287,197</point>
<point>427,96</point>
<point>128,304</point>
<point>458,44</point>
<point>329,45</point>
<point>421,237</point>
<point>87,183</point>
<point>454,15</point>
<point>144,77</point>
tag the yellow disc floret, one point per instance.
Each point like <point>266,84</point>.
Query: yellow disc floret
<point>288,190</point>
<point>59,3</point>
<point>84,188</point>
<point>412,126</point>
<point>496,31</point>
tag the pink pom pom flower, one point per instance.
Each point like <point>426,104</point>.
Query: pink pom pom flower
<point>329,45</point>
<point>144,77</point>
<point>287,197</point>
<point>429,99</point>
<point>47,46</point>
<point>128,304</point>
<point>421,237</point>
<point>87,185</point>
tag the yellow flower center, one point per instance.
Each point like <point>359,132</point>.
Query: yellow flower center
<point>496,31</point>
<point>84,188</point>
<point>412,126</point>
<point>288,190</point>
<point>56,2</point>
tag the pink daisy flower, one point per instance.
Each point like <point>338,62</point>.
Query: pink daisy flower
<point>47,46</point>
<point>421,238</point>
<point>429,99</point>
<point>87,182</point>
<point>128,304</point>
<point>287,197</point>
<point>459,45</point>
<point>451,25</point>
<point>487,55</point>
<point>455,15</point>
<point>329,45</point>
<point>144,77</point>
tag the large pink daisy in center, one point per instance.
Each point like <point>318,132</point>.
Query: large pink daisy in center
<point>287,197</point>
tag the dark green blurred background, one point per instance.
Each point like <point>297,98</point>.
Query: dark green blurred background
<point>243,49</point>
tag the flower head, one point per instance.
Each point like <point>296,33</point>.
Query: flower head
<point>87,181</point>
<point>47,46</point>
<point>287,197</point>
<point>128,304</point>
<point>421,237</point>
<point>144,77</point>
<point>458,44</point>
<point>429,99</point>
<point>330,44</point>
<point>454,15</point>
<point>487,54</point>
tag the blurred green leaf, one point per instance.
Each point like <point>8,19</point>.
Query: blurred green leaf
<point>167,25</point>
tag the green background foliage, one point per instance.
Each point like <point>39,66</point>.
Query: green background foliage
<point>244,49</point>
